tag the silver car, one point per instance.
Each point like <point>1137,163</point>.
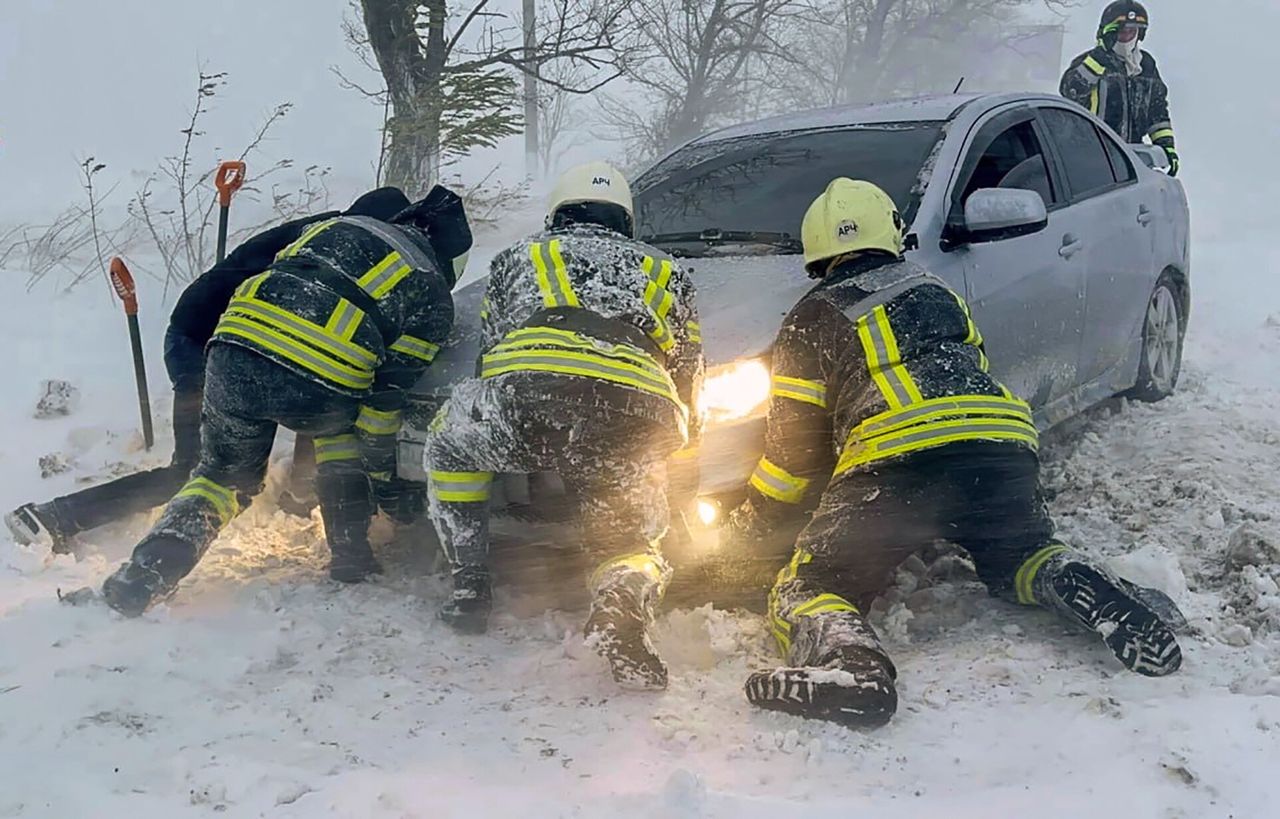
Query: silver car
<point>1070,246</point>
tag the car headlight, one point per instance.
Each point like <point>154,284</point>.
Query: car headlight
<point>737,390</point>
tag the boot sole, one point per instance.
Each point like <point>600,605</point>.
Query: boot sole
<point>861,700</point>
<point>1133,631</point>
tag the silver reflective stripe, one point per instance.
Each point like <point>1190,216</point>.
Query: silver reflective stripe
<point>1160,126</point>
<point>774,481</point>
<point>920,410</point>
<point>347,319</point>
<point>478,485</point>
<point>815,391</point>
<point>1088,74</point>
<point>591,365</point>
<point>352,353</point>
<point>882,356</point>
<point>889,293</point>
<point>231,325</point>
<point>623,352</point>
<point>371,287</point>
<point>408,250</point>
<point>975,428</point>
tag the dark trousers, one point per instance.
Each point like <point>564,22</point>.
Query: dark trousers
<point>611,462</point>
<point>246,397</point>
<point>984,497</point>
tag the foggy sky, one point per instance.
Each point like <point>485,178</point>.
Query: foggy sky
<point>114,79</point>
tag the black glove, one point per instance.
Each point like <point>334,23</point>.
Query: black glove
<point>1172,153</point>
<point>402,501</point>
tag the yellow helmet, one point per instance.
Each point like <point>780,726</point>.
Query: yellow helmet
<point>850,216</point>
<point>594,182</point>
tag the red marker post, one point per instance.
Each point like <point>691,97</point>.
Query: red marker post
<point>122,281</point>
<point>229,180</point>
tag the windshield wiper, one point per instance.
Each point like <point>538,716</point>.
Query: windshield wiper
<point>713,237</point>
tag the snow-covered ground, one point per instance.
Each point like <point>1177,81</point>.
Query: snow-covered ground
<point>263,689</point>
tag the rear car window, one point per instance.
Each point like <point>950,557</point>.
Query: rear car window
<point>766,183</point>
<point>1087,167</point>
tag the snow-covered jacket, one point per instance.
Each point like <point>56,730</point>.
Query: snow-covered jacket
<point>1134,107</point>
<point>879,361</point>
<point>611,320</point>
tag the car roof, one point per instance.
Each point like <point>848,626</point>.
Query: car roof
<point>937,108</point>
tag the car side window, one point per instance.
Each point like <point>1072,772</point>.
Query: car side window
<point>1087,165</point>
<point>1121,168</point>
<point>1014,159</point>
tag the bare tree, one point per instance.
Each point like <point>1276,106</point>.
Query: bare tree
<point>696,66</point>
<point>559,115</point>
<point>450,71</point>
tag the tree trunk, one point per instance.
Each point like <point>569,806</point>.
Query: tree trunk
<point>413,76</point>
<point>865,81</point>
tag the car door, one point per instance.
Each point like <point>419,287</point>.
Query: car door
<point>1111,216</point>
<point>1027,296</point>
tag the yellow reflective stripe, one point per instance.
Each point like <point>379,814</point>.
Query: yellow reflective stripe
<point>773,481</point>
<point>544,279</point>
<point>460,487</point>
<point>337,448</point>
<point>567,296</point>
<point>307,235</point>
<point>1163,133</point>
<point>694,330</point>
<point>292,350</point>
<point>535,338</point>
<point>953,405</point>
<point>823,604</point>
<point>345,320</point>
<point>223,499</point>
<point>1095,66</point>
<point>779,624</point>
<point>800,389</point>
<point>304,330</point>
<point>385,275</point>
<point>1093,100</point>
<point>378,422</point>
<point>484,308</point>
<point>884,359</point>
<point>644,562</point>
<point>1024,578</point>
<point>416,347</point>
<point>659,300</point>
<point>688,453</point>
<point>249,287</point>
<point>920,437</point>
<point>581,364</point>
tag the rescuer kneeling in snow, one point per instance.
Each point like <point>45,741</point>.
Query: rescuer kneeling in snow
<point>324,342</point>
<point>591,368</point>
<point>881,368</point>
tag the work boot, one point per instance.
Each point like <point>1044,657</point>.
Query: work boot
<point>840,674</point>
<point>626,593</point>
<point>1102,603</point>
<point>38,524</point>
<point>151,574</point>
<point>351,560</point>
<point>467,609</point>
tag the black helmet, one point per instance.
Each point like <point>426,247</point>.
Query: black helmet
<point>1118,15</point>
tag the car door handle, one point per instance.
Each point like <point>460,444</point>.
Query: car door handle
<point>1070,246</point>
<point>1144,215</point>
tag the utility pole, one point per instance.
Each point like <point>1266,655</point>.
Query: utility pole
<point>530,94</point>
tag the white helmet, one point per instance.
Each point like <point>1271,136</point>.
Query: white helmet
<point>592,182</point>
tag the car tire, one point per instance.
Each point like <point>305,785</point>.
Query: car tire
<point>1163,330</point>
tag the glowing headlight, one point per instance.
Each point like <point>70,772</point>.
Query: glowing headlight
<point>735,390</point>
<point>707,512</point>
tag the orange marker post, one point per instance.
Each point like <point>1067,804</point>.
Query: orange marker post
<point>122,281</point>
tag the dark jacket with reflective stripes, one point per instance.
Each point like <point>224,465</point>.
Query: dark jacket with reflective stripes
<point>879,361</point>
<point>355,304</point>
<point>628,294</point>
<point>196,314</point>
<point>1134,107</point>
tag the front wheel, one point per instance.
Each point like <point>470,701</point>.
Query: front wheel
<point>1162,336</point>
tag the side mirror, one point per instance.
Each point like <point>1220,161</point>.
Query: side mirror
<point>1153,156</point>
<point>992,214</point>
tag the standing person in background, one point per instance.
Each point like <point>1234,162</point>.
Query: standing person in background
<point>1119,82</point>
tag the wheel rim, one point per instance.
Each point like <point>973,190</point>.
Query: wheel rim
<point>1163,338</point>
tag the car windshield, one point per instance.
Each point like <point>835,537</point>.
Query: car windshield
<point>748,195</point>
